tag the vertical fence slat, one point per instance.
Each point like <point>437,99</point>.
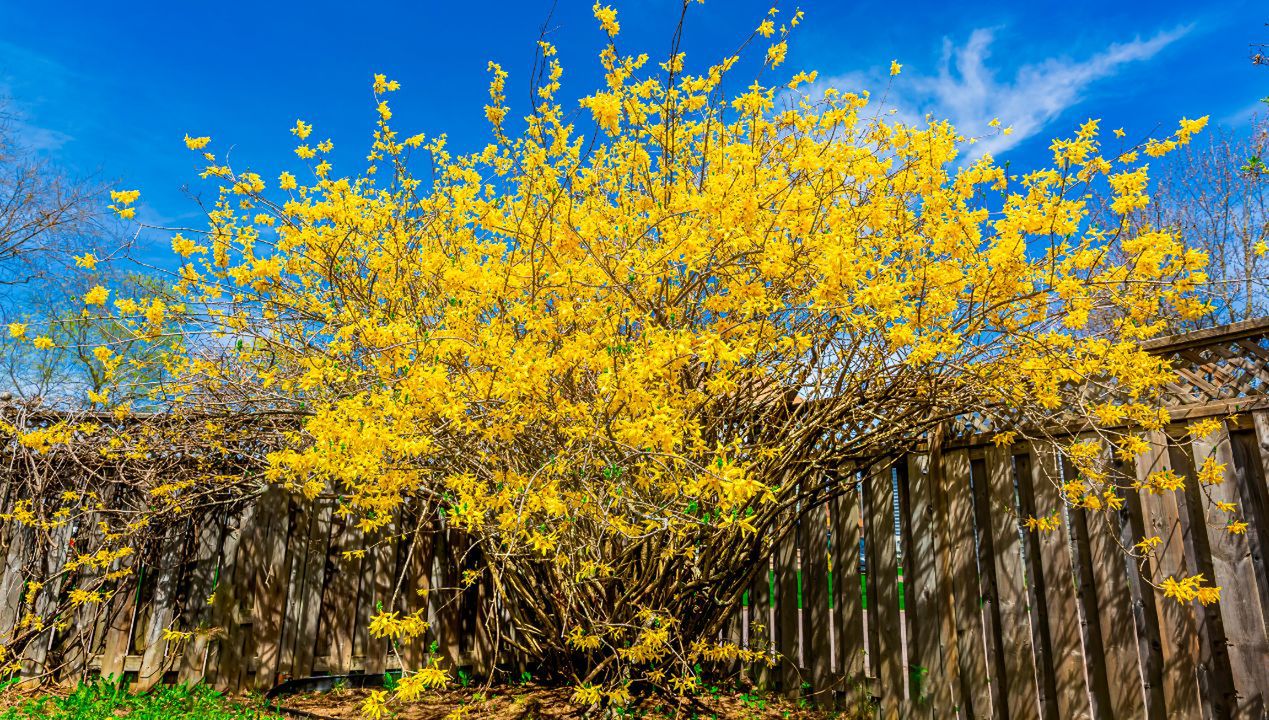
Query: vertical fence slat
<point>789,630</point>
<point>1070,685</point>
<point>1115,614</point>
<point>1144,608</point>
<point>1216,678</point>
<point>1086,605</point>
<point>417,588</point>
<point>339,607</point>
<point>849,622</point>
<point>1162,519</point>
<point>930,688</point>
<point>988,589</point>
<point>162,608</point>
<point>1024,474</point>
<point>938,596</point>
<point>1234,571</point>
<point>226,663</point>
<point>883,599</point>
<point>199,584</point>
<point>815,583</point>
<point>1019,677</point>
<point>269,591</point>
<point>957,518</point>
<point>377,586</point>
<point>315,551</point>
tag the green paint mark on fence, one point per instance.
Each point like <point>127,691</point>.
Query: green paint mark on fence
<point>901,608</point>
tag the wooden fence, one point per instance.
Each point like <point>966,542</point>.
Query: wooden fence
<point>918,584</point>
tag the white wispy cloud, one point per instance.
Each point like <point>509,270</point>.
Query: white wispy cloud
<point>26,77</point>
<point>970,89</point>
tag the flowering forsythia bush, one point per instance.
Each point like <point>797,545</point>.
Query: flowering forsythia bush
<point>619,348</point>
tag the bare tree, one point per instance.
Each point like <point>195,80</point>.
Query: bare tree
<point>1215,192</point>
<point>44,213</point>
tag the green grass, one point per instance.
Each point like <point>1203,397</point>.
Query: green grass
<point>99,699</point>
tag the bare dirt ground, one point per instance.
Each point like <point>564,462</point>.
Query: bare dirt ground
<point>542,703</point>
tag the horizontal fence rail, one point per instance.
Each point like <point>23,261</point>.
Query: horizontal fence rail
<point>917,585</point>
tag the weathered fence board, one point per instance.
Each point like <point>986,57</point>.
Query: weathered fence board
<point>913,579</point>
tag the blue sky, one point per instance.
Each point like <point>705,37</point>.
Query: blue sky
<point>110,90</point>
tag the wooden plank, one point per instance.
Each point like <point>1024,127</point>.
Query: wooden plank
<point>417,589</point>
<point>950,698</point>
<point>956,520</point>
<point>883,597</point>
<point>1017,650</point>
<point>847,605</point>
<point>154,655</point>
<point>1024,463</point>
<point>1086,605</point>
<point>1242,614</point>
<point>1252,459</point>
<point>1161,514</point>
<point>309,605</point>
<point>227,659</point>
<point>762,602</point>
<point>119,628</point>
<point>208,536</point>
<point>988,588</point>
<point>1070,684</point>
<point>53,558</point>
<point>19,551</point>
<point>378,597</point>
<point>915,704</point>
<point>789,630</point>
<point>930,685</point>
<point>1254,508</point>
<point>272,582</point>
<point>339,604</point>
<point>1123,673</point>
<point>1145,613</point>
<point>819,621</point>
<point>1215,677</point>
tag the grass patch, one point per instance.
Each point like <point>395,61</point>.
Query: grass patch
<point>98,699</point>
